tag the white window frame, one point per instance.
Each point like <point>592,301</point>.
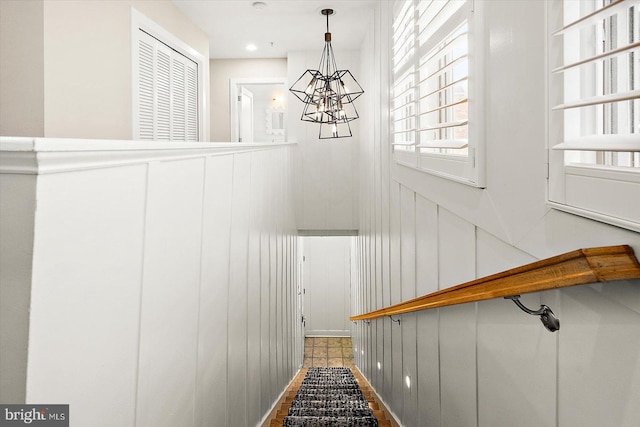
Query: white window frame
<point>141,22</point>
<point>468,169</point>
<point>607,194</point>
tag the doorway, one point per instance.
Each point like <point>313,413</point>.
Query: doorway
<point>258,109</point>
<point>327,285</point>
<point>245,116</point>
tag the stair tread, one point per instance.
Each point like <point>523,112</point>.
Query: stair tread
<point>352,395</point>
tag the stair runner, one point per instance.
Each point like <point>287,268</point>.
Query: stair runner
<point>330,397</point>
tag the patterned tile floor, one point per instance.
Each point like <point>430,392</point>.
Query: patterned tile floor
<point>327,352</point>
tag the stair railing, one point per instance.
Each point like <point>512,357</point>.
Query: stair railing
<point>579,267</point>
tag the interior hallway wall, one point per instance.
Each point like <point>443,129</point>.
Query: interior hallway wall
<point>222,70</point>
<point>22,68</point>
<point>487,364</point>
<point>76,80</point>
<point>326,176</point>
<point>160,291</point>
<point>327,285</point>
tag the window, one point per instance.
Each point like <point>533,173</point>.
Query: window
<point>595,115</point>
<point>167,85</point>
<point>433,93</point>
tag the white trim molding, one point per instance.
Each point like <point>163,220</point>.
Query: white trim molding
<point>40,156</point>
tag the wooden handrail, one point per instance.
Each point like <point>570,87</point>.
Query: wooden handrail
<point>578,267</point>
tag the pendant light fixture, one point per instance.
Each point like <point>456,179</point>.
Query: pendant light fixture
<point>328,93</point>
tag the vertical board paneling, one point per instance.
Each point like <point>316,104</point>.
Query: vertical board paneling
<point>458,365</point>
<point>214,289</point>
<point>397,381</point>
<point>394,245</point>
<point>274,307</point>
<point>267,395</point>
<point>409,370</point>
<point>170,293</point>
<point>387,364</point>
<point>197,259</point>
<point>253,291</point>
<point>395,253</point>
<point>407,243</point>
<point>428,381</point>
<point>598,363</point>
<point>409,393</point>
<point>426,246</point>
<point>508,340</point>
<point>456,264</point>
<point>456,249</point>
<point>238,298</point>
<point>85,289</point>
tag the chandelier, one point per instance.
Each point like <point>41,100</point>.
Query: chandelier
<point>328,93</point>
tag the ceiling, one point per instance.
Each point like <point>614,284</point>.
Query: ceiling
<point>280,27</point>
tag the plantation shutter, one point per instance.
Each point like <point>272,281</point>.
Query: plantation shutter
<point>436,119</point>
<point>601,112</point>
<point>167,93</point>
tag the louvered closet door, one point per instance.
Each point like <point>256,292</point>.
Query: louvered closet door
<point>167,93</point>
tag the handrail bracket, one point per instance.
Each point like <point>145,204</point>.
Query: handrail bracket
<point>548,319</point>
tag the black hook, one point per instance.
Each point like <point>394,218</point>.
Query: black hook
<point>548,319</point>
<point>397,321</point>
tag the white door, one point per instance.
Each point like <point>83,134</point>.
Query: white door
<point>327,282</point>
<point>246,115</point>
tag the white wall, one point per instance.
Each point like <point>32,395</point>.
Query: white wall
<point>326,175</point>
<point>163,281</point>
<point>327,285</point>
<point>21,68</point>
<point>488,364</point>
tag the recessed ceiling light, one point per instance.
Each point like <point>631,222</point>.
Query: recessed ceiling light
<point>259,5</point>
<point>251,47</point>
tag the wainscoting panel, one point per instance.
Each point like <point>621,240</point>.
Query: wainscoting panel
<point>410,369</point>
<point>600,351</point>
<point>407,243</point>
<point>84,318</point>
<point>169,318</point>
<point>238,291</point>
<point>163,280</point>
<point>508,341</point>
<point>216,232</point>
<point>428,370</point>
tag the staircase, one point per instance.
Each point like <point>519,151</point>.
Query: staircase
<point>323,397</point>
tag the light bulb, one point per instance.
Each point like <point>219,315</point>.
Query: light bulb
<point>309,89</point>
